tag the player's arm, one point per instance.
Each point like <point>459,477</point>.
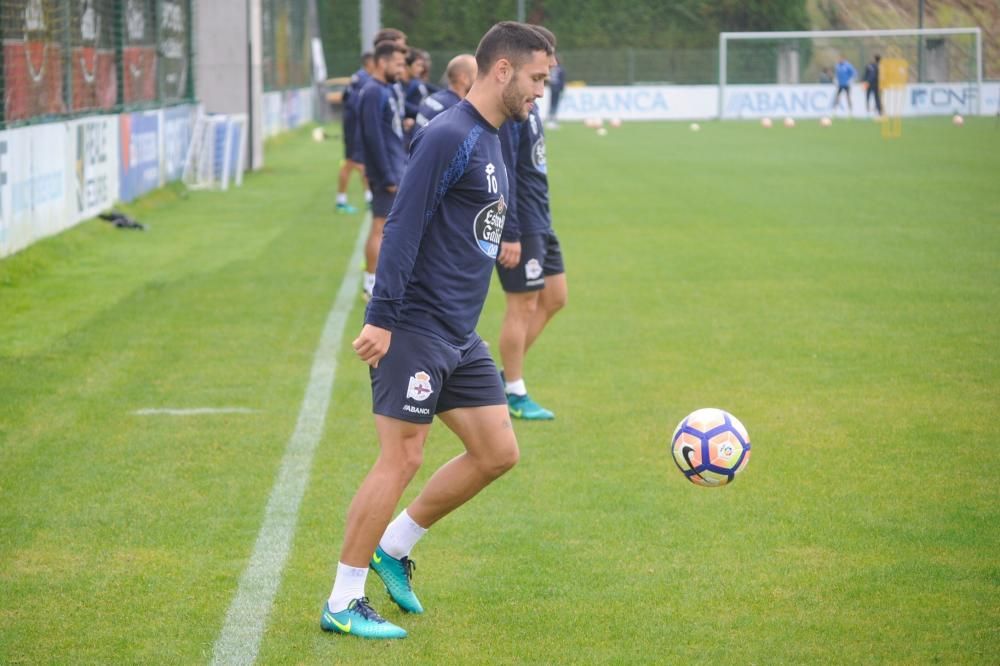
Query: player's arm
<point>510,241</point>
<point>372,136</point>
<point>433,154</point>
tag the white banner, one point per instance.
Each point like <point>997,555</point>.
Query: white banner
<point>635,102</point>
<point>93,150</point>
<point>33,175</point>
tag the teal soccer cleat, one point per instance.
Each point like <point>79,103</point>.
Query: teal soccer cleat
<point>359,620</point>
<point>397,574</point>
<point>523,407</point>
<point>346,208</point>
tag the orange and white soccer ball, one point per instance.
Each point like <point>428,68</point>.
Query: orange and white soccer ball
<point>957,120</point>
<point>766,123</point>
<point>710,447</point>
<point>789,122</point>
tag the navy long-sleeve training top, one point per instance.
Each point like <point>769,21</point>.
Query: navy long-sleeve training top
<point>442,236</point>
<point>523,146</point>
<point>381,126</point>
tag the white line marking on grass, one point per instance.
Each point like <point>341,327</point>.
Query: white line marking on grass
<point>194,411</point>
<point>246,618</point>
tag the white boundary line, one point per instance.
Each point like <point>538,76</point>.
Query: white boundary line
<point>194,411</point>
<point>246,619</point>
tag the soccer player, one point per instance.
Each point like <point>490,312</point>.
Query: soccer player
<point>417,88</point>
<point>461,73</point>
<point>530,265</point>
<point>871,79</point>
<point>557,81</point>
<point>354,159</point>
<point>419,339</point>
<point>844,72</point>
<point>381,123</point>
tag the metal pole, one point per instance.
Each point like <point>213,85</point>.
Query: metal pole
<point>371,22</point>
<point>722,71</point>
<point>979,73</point>
<point>520,11</point>
<point>920,42</point>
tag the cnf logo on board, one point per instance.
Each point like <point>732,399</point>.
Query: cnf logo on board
<point>420,386</point>
<point>489,226</point>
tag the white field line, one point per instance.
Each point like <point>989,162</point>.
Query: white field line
<point>239,641</point>
<point>193,411</point>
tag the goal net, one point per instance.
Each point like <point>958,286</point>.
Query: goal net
<point>216,153</point>
<point>796,73</point>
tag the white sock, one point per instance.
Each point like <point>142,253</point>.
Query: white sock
<point>342,197</point>
<point>349,584</point>
<point>401,536</point>
<point>369,282</point>
<point>517,388</point>
<point>368,196</point>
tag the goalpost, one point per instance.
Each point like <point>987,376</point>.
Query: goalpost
<point>943,56</point>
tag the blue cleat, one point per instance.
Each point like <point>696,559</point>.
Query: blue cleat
<point>523,407</point>
<point>397,574</point>
<point>346,208</point>
<point>359,619</point>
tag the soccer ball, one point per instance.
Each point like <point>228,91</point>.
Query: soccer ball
<point>710,447</point>
<point>825,121</point>
<point>957,120</point>
<point>789,122</point>
<point>695,127</point>
<point>765,122</point>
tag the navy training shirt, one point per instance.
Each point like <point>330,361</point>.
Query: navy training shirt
<point>524,151</point>
<point>435,104</point>
<point>442,236</point>
<point>381,125</point>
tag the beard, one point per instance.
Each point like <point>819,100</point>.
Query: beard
<point>513,103</point>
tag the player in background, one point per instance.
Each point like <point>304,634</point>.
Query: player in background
<point>871,81</point>
<point>844,72</point>
<point>530,265</point>
<point>354,159</point>
<point>557,81</point>
<point>460,73</point>
<point>419,338</point>
<point>417,88</point>
<point>380,120</point>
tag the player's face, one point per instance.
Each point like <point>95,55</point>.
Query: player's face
<point>525,86</point>
<point>395,67</point>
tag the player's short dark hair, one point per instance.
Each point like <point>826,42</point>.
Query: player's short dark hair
<point>415,55</point>
<point>367,56</point>
<point>547,34</point>
<point>386,49</point>
<point>510,40</point>
<point>878,58</point>
<point>389,35</point>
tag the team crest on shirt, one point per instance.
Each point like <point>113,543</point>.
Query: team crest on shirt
<point>538,154</point>
<point>488,227</point>
<point>420,386</point>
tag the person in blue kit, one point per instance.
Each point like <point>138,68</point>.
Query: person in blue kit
<point>844,72</point>
<point>530,265</point>
<point>354,159</point>
<point>439,247</point>
<point>380,119</point>
<point>461,74</point>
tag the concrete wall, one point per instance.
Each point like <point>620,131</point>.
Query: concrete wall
<point>227,68</point>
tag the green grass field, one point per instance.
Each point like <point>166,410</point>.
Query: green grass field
<point>840,294</point>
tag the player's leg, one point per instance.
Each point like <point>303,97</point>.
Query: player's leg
<point>342,179</point>
<point>522,285</point>
<point>401,445</point>
<point>551,300</point>
<point>490,451</point>
<point>381,205</point>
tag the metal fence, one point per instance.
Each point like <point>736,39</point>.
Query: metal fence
<point>64,58</point>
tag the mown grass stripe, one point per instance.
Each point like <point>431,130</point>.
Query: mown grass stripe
<point>239,641</point>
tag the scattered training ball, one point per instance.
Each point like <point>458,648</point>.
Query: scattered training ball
<point>825,122</point>
<point>957,120</point>
<point>601,131</point>
<point>318,134</point>
<point>766,122</point>
<point>695,127</point>
<point>789,122</point>
<point>616,122</point>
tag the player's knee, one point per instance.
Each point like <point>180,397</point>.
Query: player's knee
<point>501,460</point>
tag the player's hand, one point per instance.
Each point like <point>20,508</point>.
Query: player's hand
<point>372,344</point>
<point>408,123</point>
<point>510,254</point>
<point>391,189</point>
